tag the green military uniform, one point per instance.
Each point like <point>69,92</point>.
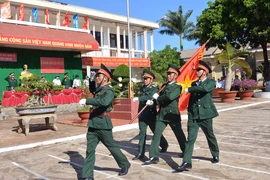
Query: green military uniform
<point>100,129</point>
<point>168,114</point>
<point>148,117</point>
<point>12,83</point>
<point>201,110</point>
<point>66,82</point>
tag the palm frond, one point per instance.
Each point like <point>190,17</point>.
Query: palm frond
<point>246,67</point>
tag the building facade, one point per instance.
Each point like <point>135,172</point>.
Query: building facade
<point>78,38</point>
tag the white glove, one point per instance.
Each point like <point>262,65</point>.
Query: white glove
<point>149,102</point>
<point>155,96</point>
<point>135,99</point>
<point>82,102</point>
<point>186,90</point>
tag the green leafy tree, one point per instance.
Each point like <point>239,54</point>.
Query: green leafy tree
<point>161,59</point>
<point>175,23</point>
<point>241,22</point>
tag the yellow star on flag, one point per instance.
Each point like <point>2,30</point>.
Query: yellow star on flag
<point>186,84</point>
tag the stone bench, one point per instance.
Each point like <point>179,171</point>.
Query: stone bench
<point>26,121</point>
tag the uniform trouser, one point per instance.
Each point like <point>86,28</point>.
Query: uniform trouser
<point>160,126</point>
<point>93,138</point>
<point>142,135</point>
<point>207,127</point>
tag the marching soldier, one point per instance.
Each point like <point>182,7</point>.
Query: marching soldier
<point>148,116</point>
<point>201,111</point>
<point>12,82</point>
<point>100,125</point>
<point>168,114</point>
<point>66,81</point>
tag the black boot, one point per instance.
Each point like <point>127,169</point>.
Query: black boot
<point>124,170</point>
<point>89,178</point>
<point>215,160</point>
<point>184,167</point>
<point>139,156</point>
<point>152,160</point>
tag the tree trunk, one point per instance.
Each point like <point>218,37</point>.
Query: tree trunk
<point>228,81</point>
<point>181,43</point>
<point>266,63</point>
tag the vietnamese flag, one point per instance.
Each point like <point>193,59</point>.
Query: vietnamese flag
<point>188,75</point>
<point>66,20</point>
<point>86,23</point>
<point>46,12</point>
<point>21,13</point>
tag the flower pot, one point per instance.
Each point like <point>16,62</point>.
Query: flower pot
<point>84,115</point>
<point>245,95</point>
<point>227,96</point>
<point>216,92</point>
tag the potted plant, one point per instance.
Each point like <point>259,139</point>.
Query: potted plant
<point>246,88</point>
<point>230,56</point>
<point>85,110</point>
<point>57,89</point>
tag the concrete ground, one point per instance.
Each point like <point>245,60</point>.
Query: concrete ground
<point>242,131</point>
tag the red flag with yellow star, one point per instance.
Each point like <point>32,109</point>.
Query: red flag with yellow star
<point>188,75</point>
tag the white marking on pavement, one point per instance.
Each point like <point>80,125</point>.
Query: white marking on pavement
<point>43,143</point>
<point>168,154</point>
<point>154,167</point>
<point>236,167</point>
<point>243,106</point>
<point>235,144</point>
<point>28,170</point>
<point>240,154</point>
<point>79,165</point>
<point>115,129</point>
<point>267,134</point>
<point>235,137</point>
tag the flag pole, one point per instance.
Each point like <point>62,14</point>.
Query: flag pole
<point>129,58</point>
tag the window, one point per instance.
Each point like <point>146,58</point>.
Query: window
<point>113,41</point>
<point>98,38</point>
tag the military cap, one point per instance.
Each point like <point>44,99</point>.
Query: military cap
<point>66,73</point>
<point>104,70</point>
<point>149,74</point>
<point>56,75</point>
<point>43,75</point>
<point>173,69</point>
<point>76,76</point>
<point>202,65</point>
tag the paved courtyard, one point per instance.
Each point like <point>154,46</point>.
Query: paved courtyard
<point>242,133</point>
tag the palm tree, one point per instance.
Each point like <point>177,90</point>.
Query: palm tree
<point>231,56</point>
<point>176,24</point>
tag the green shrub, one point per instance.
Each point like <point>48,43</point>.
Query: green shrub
<point>121,71</point>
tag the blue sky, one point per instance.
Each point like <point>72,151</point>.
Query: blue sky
<point>151,10</point>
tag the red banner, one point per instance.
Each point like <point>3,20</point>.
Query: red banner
<point>51,65</point>
<point>114,62</point>
<point>8,57</point>
<point>46,42</point>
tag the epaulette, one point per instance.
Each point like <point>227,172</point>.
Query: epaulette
<point>110,86</point>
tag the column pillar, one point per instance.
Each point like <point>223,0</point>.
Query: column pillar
<point>145,43</point>
<point>136,40</point>
<point>118,39</point>
<point>101,35</point>
<point>152,41</point>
